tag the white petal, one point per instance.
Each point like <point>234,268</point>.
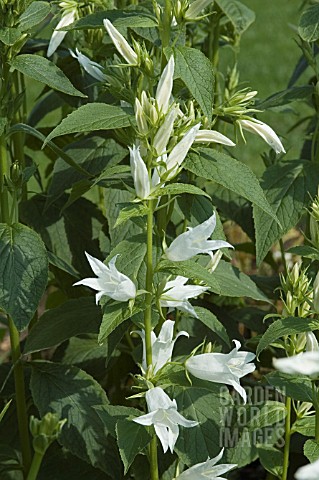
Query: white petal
<point>92,68</point>
<point>58,36</point>
<point>179,152</point>
<point>147,419</point>
<point>208,136</point>
<point>156,398</point>
<point>164,132</point>
<point>303,364</point>
<point>165,85</point>
<point>177,418</point>
<point>265,132</point>
<point>139,173</point>
<point>97,266</point>
<point>163,434</point>
<point>308,472</point>
<point>120,43</point>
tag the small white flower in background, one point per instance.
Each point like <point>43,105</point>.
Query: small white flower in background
<point>308,472</point>
<point>306,363</point>
<point>162,346</point>
<point>121,43</point>
<point>179,152</point>
<point>207,470</point>
<point>165,86</point>
<point>211,136</point>
<point>265,132</point>
<point>92,68</point>
<point>195,8</point>
<point>110,281</point>
<point>223,368</point>
<point>164,416</point>
<point>176,295</point>
<point>139,173</point>
<point>214,260</point>
<point>195,241</point>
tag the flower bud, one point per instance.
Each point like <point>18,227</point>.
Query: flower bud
<point>45,431</point>
<point>165,85</point>
<point>139,173</point>
<point>140,118</point>
<point>121,43</point>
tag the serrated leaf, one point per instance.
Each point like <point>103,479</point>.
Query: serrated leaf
<point>113,316</point>
<point>286,326</point>
<point>91,117</point>
<point>234,283</point>
<point>132,439</point>
<point>23,275</point>
<point>119,18</point>
<point>111,414</point>
<point>33,15</point>
<point>308,27</point>
<point>289,187</point>
<point>228,172</point>
<point>311,450</point>
<point>306,426</point>
<point>195,69</point>
<point>270,413</point>
<point>74,317</point>
<point>271,459</point>
<point>212,322</point>
<point>45,71</point>
<point>191,270</point>
<point>71,393</point>
<point>179,188</point>
<point>239,14</point>
<point>305,251</point>
<point>297,387</point>
<point>131,254</point>
<point>287,96</point>
<point>133,210</point>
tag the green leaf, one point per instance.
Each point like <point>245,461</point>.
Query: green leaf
<point>286,326</point>
<point>212,322</point>
<point>311,450</point>
<point>113,316</point>
<point>74,317</point>
<point>270,413</point>
<point>21,127</point>
<point>132,439</point>
<point>191,270</point>
<point>228,172</point>
<point>234,283</point>
<point>178,188</point>
<point>5,408</point>
<point>131,211</point>
<point>33,15</point>
<point>309,24</point>
<point>289,187</point>
<point>45,71</point>
<point>296,387</point>
<point>91,117</point>
<point>305,251</point>
<point>239,15</point>
<point>71,393</point>
<point>119,18</point>
<point>306,426</point>
<point>10,35</point>
<point>271,459</point>
<point>111,414</point>
<point>195,70</point>
<point>94,154</point>
<point>285,97</point>
<point>23,275</point>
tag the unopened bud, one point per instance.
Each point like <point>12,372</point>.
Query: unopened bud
<point>140,118</point>
<point>45,431</point>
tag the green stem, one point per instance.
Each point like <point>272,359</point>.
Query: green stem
<point>4,198</point>
<point>287,439</point>
<point>35,466</point>
<point>282,250</point>
<point>153,459</point>
<point>166,24</point>
<point>20,396</point>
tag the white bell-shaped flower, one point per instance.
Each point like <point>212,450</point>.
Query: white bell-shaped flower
<point>164,416</point>
<point>207,470</point>
<point>265,132</point>
<point>109,281</point>
<point>176,295</point>
<point>92,68</point>
<point>223,368</point>
<point>306,363</point>
<point>195,241</point>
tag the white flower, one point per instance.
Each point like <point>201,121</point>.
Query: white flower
<point>164,416</point>
<point>58,35</point>
<point>265,132</point>
<point>164,132</point>
<point>110,281</point>
<point>139,173</point>
<point>179,152</point>
<point>212,136</point>
<point>121,43</point>
<point>176,295</point>
<point>223,368</point>
<point>312,342</point>
<point>195,8</point>
<point>207,470</point>
<point>306,363</point>
<point>165,85</point>
<point>195,241</point>
<point>308,472</point>
<point>92,68</point>
<point>162,346</point>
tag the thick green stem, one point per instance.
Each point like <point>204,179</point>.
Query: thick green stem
<point>35,466</point>
<point>4,195</point>
<point>287,439</point>
<point>23,423</point>
<point>153,459</point>
<point>166,24</point>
